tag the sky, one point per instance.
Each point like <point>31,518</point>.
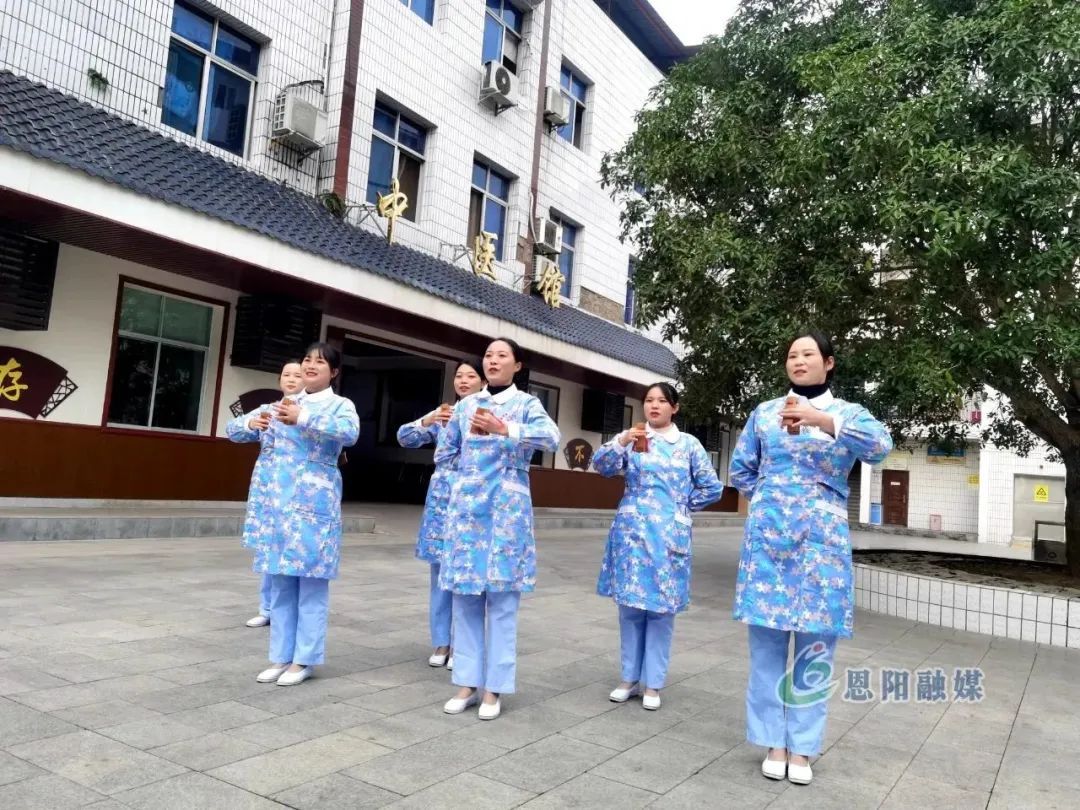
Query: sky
<point>693,20</point>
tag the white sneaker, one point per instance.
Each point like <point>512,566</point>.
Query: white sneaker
<point>458,705</point>
<point>799,774</point>
<point>620,695</point>
<point>650,702</point>
<point>450,663</point>
<point>489,711</point>
<point>293,678</point>
<point>258,621</point>
<point>436,660</point>
<point>271,675</point>
<point>773,768</point>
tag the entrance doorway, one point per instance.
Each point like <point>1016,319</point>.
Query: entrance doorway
<point>389,388</point>
<point>894,496</point>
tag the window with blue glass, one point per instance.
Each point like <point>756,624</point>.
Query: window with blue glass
<point>209,80</point>
<point>503,25</point>
<point>566,255</point>
<point>489,201</point>
<point>576,89</point>
<point>628,308</point>
<point>424,9</point>
<point>397,150</point>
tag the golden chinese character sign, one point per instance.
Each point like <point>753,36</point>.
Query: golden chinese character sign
<point>483,258</point>
<point>391,206</point>
<point>31,384</point>
<point>578,454</point>
<point>550,282</point>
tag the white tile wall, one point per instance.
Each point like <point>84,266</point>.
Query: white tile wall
<point>431,71</point>
<point>1001,612</point>
<point>936,487</point>
<point>999,469</point>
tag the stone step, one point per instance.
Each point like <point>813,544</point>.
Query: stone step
<point>37,523</point>
<point>553,519</point>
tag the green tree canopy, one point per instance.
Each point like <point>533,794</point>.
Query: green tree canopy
<point>905,174</point>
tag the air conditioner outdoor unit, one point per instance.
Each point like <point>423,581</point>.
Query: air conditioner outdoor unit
<point>297,122</point>
<point>499,86</point>
<point>556,107</point>
<point>548,237</point>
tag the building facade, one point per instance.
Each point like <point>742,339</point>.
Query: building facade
<point>191,191</point>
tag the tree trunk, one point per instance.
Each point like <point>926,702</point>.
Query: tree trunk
<point>1072,510</point>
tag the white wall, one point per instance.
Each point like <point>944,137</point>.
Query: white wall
<point>128,42</point>
<point>936,487</point>
<point>80,335</point>
<point>999,469</point>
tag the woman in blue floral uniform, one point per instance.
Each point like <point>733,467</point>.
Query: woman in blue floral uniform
<point>792,462</point>
<point>430,429</point>
<point>296,534</point>
<point>646,567</point>
<point>490,549</point>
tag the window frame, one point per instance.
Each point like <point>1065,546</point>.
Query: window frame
<point>486,195</point>
<point>573,132</point>
<point>411,6</point>
<point>213,366</point>
<point>398,147</point>
<point>506,30</point>
<point>568,226</point>
<point>557,391</point>
<point>209,58</point>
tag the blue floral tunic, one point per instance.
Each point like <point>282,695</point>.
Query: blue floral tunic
<point>430,541</point>
<point>490,544</point>
<point>237,431</point>
<point>294,522</point>
<point>795,569</point>
<point>648,554</point>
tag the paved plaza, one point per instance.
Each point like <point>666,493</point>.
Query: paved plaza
<point>127,680</point>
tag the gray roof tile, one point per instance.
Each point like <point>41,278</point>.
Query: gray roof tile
<point>48,124</point>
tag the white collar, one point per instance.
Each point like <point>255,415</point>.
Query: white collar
<point>319,396</point>
<point>671,434</point>
<point>821,401</point>
<point>502,397</point>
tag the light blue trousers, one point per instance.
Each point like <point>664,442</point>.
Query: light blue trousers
<point>265,588</point>
<point>646,645</point>
<point>299,608</point>
<point>485,657</point>
<point>440,611</point>
<point>770,721</point>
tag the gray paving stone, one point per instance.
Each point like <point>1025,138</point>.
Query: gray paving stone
<point>336,792</point>
<point>194,791</point>
<point>221,716</point>
<point>16,679</point>
<point>81,694</point>
<point>965,768</point>
<point>545,764</point>
<point>465,790</point>
<point>208,751</point>
<point>857,761</point>
<point>1026,797</point>
<point>624,728</point>
<point>585,701</point>
<point>22,724</point>
<point>284,768</point>
<point>286,730</point>
<point>1030,766</point>
<point>47,792</point>
<point>96,762</point>
<point>107,713</point>
<point>425,764</point>
<point>710,789</point>
<point>516,728</point>
<point>411,727</point>
<point>591,792</point>
<point>915,790</point>
<point>988,736</point>
<point>313,694</point>
<point>402,698</point>
<point>152,733</point>
<point>12,769</point>
<point>658,764</point>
